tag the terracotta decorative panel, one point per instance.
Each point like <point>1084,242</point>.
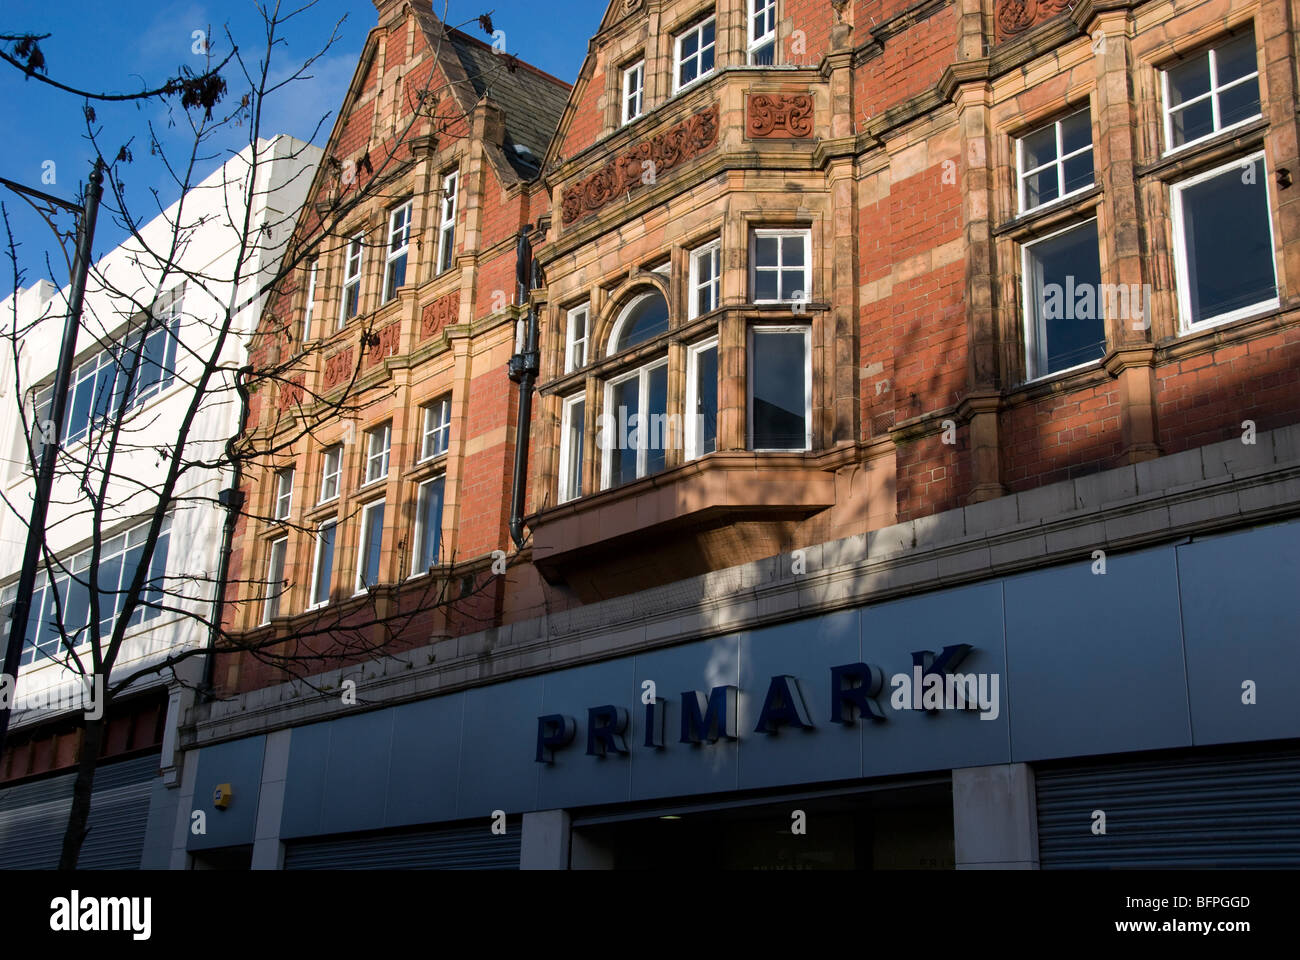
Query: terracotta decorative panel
<point>386,345</point>
<point>338,368</point>
<point>643,164</point>
<point>779,116</point>
<point>1014,17</point>
<point>439,315</point>
<point>291,395</point>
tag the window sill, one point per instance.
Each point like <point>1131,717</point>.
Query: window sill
<point>1207,152</point>
<point>1060,374</point>
<point>1232,129</point>
<point>1188,328</point>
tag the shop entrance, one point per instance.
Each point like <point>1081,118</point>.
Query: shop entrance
<point>903,828</point>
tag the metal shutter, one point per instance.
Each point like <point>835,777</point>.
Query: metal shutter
<point>1219,811</point>
<point>460,848</point>
<point>34,815</point>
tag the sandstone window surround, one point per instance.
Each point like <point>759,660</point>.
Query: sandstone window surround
<point>1223,244</point>
<point>350,304</point>
<point>284,493</point>
<point>379,444</point>
<point>370,552</point>
<point>573,428</point>
<point>1055,161</point>
<point>694,52</point>
<point>633,91</point>
<point>705,279</point>
<point>447,221</point>
<point>436,430</point>
<point>701,421</point>
<point>331,472</point>
<point>761,21</point>
<point>427,542</point>
<point>779,387</point>
<point>323,563</point>
<point>277,552</point>
<point>399,245</point>
<point>1208,92</point>
<point>1064,325</point>
<point>780,266</point>
<point>577,329</point>
<point>309,308</point>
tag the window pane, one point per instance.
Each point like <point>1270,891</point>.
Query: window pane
<point>275,580</point>
<point>1235,59</point>
<point>626,397</point>
<point>1239,103</point>
<point>792,285</point>
<point>1068,326</point>
<point>1038,148</point>
<point>765,285</point>
<point>429,517</point>
<point>792,252</point>
<point>576,413</point>
<point>766,251</point>
<point>1076,132</point>
<point>647,319</point>
<point>324,564</point>
<point>371,547</point>
<point>1192,122</point>
<point>396,276</point>
<point>706,401</point>
<point>1189,80</point>
<point>779,390</point>
<point>654,426</point>
<point>1226,235</point>
<point>1078,172</point>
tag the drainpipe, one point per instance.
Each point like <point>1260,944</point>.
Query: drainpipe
<point>232,501</point>
<point>523,371</point>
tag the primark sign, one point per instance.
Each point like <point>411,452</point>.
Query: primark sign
<point>856,689</point>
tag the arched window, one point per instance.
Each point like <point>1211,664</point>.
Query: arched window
<point>644,318</point>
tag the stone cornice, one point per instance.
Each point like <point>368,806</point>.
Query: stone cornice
<point>1198,491</point>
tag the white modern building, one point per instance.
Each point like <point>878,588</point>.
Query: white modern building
<point>186,269</point>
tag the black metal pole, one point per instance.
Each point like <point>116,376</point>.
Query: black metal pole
<point>523,371</point>
<point>52,436</point>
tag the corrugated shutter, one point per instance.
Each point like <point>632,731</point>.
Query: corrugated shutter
<point>460,848</point>
<point>33,817</point>
<point>1207,811</point>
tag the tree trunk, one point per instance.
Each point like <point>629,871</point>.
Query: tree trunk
<point>79,815</point>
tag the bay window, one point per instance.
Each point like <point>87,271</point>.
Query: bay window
<point>635,428</point>
<point>701,399</point>
<point>575,338</point>
<point>572,432</point>
<point>780,389</point>
<point>781,266</point>
<point>706,279</point>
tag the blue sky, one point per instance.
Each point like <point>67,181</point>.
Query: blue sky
<point>125,47</point>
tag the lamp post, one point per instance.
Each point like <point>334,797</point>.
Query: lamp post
<point>58,412</point>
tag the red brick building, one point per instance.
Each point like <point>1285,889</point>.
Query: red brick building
<point>846,305</point>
